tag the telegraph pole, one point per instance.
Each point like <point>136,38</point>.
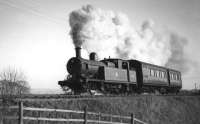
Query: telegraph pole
<point>195,86</point>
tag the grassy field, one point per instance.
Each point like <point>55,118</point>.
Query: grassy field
<point>151,109</point>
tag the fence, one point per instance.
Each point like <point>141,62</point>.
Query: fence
<point>85,119</point>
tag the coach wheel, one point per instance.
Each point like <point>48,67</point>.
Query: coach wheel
<point>178,91</point>
<point>157,92</point>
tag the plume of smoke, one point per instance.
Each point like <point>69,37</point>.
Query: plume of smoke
<point>110,34</point>
<point>178,59</point>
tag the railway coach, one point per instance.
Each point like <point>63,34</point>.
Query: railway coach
<point>153,78</point>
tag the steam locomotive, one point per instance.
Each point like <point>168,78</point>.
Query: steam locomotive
<point>116,76</point>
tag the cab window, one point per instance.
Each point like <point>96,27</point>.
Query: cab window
<point>124,65</point>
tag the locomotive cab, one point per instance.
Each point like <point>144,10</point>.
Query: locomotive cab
<point>117,63</point>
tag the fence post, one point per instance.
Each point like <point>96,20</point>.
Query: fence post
<point>132,118</point>
<point>3,110</point>
<point>99,117</point>
<point>39,115</point>
<point>20,112</point>
<point>85,115</point>
<point>2,116</point>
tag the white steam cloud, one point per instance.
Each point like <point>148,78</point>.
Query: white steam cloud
<point>110,34</point>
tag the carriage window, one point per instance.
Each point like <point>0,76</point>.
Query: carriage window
<point>172,76</point>
<point>165,74</point>
<point>160,74</point>
<point>152,72</point>
<point>175,77</point>
<point>157,73</point>
<point>178,77</point>
<point>149,71</point>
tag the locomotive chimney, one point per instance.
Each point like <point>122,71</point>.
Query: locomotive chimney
<point>78,52</point>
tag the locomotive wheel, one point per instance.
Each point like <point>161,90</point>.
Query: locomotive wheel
<point>102,88</point>
<point>162,90</point>
<point>67,90</point>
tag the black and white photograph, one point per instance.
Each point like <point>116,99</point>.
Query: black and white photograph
<point>99,62</point>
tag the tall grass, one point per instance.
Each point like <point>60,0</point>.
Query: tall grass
<point>151,109</point>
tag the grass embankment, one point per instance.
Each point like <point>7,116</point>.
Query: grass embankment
<point>151,109</point>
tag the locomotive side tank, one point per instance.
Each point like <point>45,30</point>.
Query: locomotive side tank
<point>121,71</point>
<point>118,79</point>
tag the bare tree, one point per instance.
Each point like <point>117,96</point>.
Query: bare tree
<point>13,82</point>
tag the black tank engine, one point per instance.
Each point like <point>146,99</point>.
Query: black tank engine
<point>115,76</point>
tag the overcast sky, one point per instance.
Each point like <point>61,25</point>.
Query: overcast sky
<point>34,34</point>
